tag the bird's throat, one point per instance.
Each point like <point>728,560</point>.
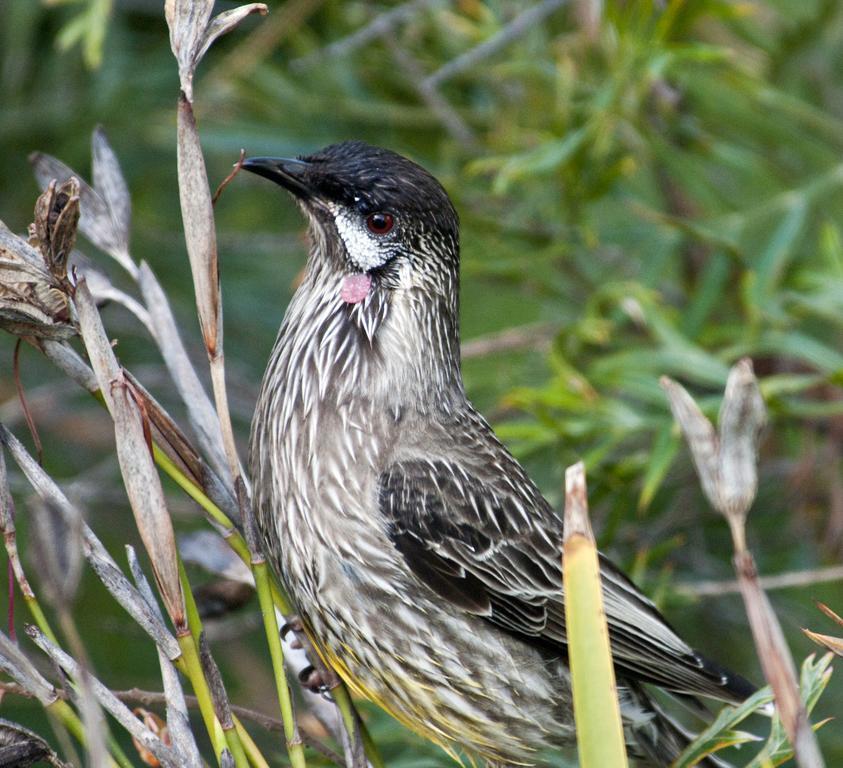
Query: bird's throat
<point>355,288</point>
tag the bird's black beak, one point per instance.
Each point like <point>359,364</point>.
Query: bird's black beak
<point>289,173</point>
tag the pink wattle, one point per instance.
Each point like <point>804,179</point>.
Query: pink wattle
<point>355,288</point>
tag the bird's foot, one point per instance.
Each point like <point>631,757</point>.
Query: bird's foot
<point>312,679</point>
<point>295,626</point>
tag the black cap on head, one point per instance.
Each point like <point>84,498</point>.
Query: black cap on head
<point>361,176</point>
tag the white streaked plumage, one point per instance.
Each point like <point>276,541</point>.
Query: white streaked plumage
<point>415,546</point>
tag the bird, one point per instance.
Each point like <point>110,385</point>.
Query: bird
<point>420,555</point>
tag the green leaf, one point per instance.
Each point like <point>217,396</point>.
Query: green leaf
<point>812,682</point>
<point>778,252</point>
<point>665,448</point>
<point>543,159</point>
<point>720,734</point>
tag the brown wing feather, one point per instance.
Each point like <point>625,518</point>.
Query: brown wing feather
<point>492,547</point>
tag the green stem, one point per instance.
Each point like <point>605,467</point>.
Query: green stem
<point>279,599</point>
<point>194,622</point>
<point>117,752</point>
<point>64,713</point>
<point>192,667</point>
<point>273,639</point>
<point>353,722</point>
<point>232,736</point>
<point>254,754</point>
<point>190,487</point>
<point>40,619</point>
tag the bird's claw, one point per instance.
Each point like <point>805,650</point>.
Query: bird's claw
<point>295,626</point>
<point>311,678</point>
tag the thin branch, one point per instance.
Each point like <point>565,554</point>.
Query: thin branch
<point>27,414</point>
<point>156,699</point>
<point>228,179</point>
<point>383,23</point>
<point>779,581</point>
<point>510,32</point>
<point>429,94</point>
<point>533,336</point>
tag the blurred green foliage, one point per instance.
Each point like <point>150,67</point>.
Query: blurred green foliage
<point>660,184</point>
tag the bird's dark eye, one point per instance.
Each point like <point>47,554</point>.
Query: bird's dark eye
<point>380,223</point>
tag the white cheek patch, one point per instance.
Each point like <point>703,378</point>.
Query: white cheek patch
<point>363,248</point>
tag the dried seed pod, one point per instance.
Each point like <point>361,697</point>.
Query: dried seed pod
<point>56,220</point>
<point>33,297</point>
<point>21,747</point>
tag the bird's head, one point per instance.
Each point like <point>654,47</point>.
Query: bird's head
<point>373,215</point>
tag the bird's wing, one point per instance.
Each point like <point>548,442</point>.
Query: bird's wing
<point>492,546</point>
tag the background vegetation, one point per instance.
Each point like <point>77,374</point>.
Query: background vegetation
<point>646,188</point>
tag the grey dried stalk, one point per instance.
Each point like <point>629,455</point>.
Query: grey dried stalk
<point>192,31</point>
<point>222,708</point>
<point>178,723</point>
<point>165,431</point>
<point>200,410</point>
<point>17,666</point>
<point>143,485</point>
<point>7,524</point>
<point>726,463</point>
<point>106,221</point>
<point>109,701</point>
<point>101,562</point>
<point>58,547</point>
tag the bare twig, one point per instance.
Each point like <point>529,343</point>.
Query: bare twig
<point>228,179</point>
<point>535,336</point>
<point>779,581</point>
<point>156,699</point>
<point>383,23</point>
<point>509,33</point>
<point>429,94</point>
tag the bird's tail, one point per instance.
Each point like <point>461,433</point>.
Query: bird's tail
<point>655,739</point>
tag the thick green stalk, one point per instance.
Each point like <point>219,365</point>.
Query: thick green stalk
<point>600,735</point>
<point>194,622</point>
<point>232,736</point>
<point>276,652</point>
